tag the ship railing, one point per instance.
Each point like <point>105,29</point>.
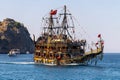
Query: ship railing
<point>37,50</point>
<point>96,51</point>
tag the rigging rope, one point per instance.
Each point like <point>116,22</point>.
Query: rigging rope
<point>75,20</point>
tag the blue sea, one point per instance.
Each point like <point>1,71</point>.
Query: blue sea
<point>22,67</point>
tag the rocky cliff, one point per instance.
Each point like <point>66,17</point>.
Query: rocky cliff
<point>13,35</point>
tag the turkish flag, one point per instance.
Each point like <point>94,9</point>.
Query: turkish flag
<point>96,44</point>
<point>99,35</point>
<point>53,12</point>
<point>102,42</point>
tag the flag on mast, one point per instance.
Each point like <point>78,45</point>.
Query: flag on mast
<point>53,12</point>
<point>99,35</point>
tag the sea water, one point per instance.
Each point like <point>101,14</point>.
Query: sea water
<point>22,67</point>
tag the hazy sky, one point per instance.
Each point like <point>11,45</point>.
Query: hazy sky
<point>95,16</point>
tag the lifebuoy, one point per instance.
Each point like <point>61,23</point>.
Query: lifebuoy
<point>58,58</point>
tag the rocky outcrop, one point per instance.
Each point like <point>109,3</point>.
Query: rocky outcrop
<point>13,35</point>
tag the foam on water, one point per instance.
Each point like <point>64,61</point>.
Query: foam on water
<point>17,63</point>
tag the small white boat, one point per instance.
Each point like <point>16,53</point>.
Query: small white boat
<point>14,52</point>
<point>27,52</point>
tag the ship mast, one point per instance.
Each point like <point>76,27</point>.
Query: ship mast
<point>65,25</point>
<point>64,22</point>
<point>51,24</point>
<point>62,29</point>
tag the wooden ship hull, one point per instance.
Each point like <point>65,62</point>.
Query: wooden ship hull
<point>56,46</point>
<point>55,57</point>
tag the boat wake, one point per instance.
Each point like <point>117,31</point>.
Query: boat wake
<point>30,63</point>
<point>17,63</point>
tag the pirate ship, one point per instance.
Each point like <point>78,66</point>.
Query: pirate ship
<point>57,45</point>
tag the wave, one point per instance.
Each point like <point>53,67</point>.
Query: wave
<point>17,63</point>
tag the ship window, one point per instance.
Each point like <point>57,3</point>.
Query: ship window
<point>64,47</point>
<point>38,47</point>
<point>74,47</point>
<point>51,47</point>
<point>45,47</point>
<point>54,48</point>
<point>50,55</point>
<point>42,47</point>
<point>39,54</point>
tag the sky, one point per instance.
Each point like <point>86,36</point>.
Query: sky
<point>94,16</point>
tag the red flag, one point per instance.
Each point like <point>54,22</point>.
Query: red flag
<point>102,42</point>
<point>99,35</point>
<point>96,44</point>
<point>53,12</point>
